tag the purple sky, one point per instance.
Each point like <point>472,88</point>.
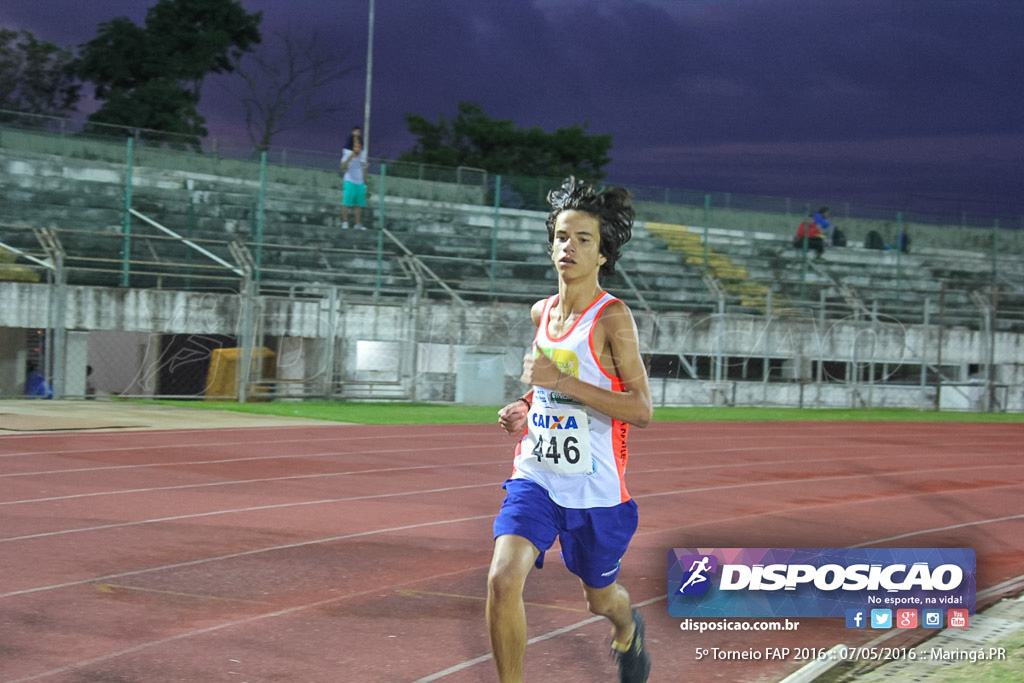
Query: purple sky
<point>904,103</point>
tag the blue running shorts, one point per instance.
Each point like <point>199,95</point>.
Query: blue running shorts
<point>593,540</point>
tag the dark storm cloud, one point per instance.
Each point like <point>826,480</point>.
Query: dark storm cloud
<point>894,102</point>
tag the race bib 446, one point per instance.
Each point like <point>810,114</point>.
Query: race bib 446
<point>559,439</point>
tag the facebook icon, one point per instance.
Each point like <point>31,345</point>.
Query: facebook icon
<point>856,618</point>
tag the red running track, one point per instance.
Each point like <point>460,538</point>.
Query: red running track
<point>353,553</point>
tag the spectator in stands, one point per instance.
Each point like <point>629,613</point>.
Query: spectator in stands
<point>903,242</point>
<point>826,226</point>
<point>838,238</point>
<point>36,385</point>
<point>356,134</point>
<point>809,237</point>
<point>353,164</point>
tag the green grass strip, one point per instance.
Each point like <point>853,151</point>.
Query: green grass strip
<point>390,413</point>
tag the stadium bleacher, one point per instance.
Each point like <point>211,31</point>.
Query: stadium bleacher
<point>444,247</point>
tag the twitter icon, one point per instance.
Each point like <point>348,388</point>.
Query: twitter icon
<point>881,618</point>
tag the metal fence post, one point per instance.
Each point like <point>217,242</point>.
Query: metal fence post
<point>766,358</point>
<point>852,371</point>
<point>260,204</point>
<point>988,332</point>
<point>926,320</point>
<point>329,339</point>
<point>819,375</point>
<point>707,217</point>
<point>190,229</point>
<point>718,339</point>
<point>990,390</point>
<point>995,249</point>
<point>874,348</point>
<point>60,352</point>
<point>126,245</point>
<point>899,249</point>
<point>803,270</point>
<point>56,331</point>
<point>938,346</point>
<point>382,192</point>
<point>245,340</point>
<point>494,229</point>
<point>380,232</point>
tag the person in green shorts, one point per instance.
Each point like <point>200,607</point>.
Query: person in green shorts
<point>353,164</point>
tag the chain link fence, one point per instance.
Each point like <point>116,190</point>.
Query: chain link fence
<point>142,268</point>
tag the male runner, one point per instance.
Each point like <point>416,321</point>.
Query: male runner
<point>588,385</point>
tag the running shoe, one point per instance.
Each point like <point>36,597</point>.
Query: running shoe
<point>634,664</point>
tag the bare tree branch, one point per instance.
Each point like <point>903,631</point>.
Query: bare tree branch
<point>284,85</point>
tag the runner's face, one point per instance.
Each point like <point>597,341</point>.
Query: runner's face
<point>576,248</point>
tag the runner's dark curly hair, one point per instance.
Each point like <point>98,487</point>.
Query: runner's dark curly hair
<point>612,208</point>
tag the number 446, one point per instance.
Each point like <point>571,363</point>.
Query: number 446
<point>568,450</point>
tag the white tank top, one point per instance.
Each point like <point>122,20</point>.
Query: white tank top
<point>575,452</point>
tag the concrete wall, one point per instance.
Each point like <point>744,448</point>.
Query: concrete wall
<point>422,349</point>
<point>13,360</point>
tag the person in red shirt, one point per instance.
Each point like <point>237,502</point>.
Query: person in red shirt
<point>809,237</point>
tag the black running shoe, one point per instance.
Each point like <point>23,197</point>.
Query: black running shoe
<point>634,664</point>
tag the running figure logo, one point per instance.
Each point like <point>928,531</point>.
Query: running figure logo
<point>696,581</point>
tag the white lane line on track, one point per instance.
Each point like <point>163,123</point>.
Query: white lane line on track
<point>455,668</point>
<point>283,456</point>
<point>325,501</point>
<point>231,443</point>
<point>810,480</point>
<point>378,470</point>
<point>367,533</point>
<point>228,461</point>
<point>463,431</point>
<point>951,527</point>
<point>301,607</point>
<point>488,428</point>
<point>219,627</point>
<point>831,504</point>
<point>183,430</point>
<point>241,482</point>
<point>244,553</point>
<point>258,508</point>
<point>335,453</point>
<point>532,641</point>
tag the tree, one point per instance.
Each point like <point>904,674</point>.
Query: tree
<point>283,91</point>
<point>498,146</point>
<point>35,77</point>
<point>151,77</point>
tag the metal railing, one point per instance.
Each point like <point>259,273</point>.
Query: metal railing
<point>525,192</point>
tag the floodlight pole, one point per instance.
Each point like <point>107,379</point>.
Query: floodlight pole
<point>369,82</point>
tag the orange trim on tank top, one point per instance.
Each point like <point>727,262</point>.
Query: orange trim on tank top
<point>545,317</point>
